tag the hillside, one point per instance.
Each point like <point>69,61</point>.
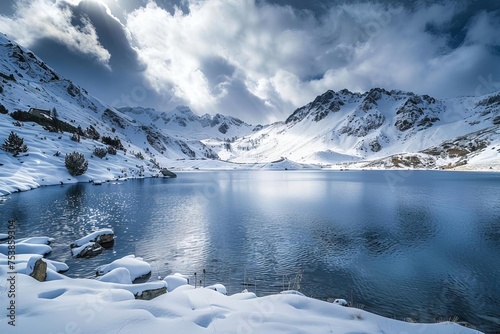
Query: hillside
<point>376,129</point>
<point>27,82</point>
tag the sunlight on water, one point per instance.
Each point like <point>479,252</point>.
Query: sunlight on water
<point>425,246</point>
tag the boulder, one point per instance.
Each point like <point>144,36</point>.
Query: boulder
<point>150,294</point>
<point>106,240</point>
<point>39,269</point>
<point>168,173</point>
<point>87,250</point>
<point>105,237</point>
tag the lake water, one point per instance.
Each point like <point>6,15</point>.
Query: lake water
<point>423,245</point>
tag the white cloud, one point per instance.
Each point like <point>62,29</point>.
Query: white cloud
<point>38,19</point>
<point>287,57</point>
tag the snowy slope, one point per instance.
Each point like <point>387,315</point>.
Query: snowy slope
<point>27,82</point>
<point>344,127</point>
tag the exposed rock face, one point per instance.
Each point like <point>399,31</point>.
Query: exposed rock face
<point>150,294</point>
<point>39,270</point>
<point>223,128</point>
<point>375,146</point>
<point>412,110</point>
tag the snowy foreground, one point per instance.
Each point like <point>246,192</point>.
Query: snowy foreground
<point>109,305</point>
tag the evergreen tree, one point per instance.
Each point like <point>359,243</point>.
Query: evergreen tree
<point>14,144</point>
<point>76,164</point>
<point>55,120</point>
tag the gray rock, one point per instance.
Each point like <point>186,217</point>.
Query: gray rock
<point>150,294</point>
<point>39,270</point>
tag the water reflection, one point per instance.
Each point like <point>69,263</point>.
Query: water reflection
<point>422,248</point>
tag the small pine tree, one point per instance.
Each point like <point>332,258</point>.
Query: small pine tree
<point>76,164</point>
<point>139,155</point>
<point>92,133</point>
<point>100,152</point>
<point>14,144</point>
<point>111,150</point>
<point>75,137</point>
<point>3,110</point>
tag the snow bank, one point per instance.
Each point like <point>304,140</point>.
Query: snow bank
<point>136,266</point>
<point>22,260</point>
<point>91,306</point>
<point>292,292</point>
<point>24,248</point>
<point>218,287</point>
<point>243,295</point>
<point>176,280</point>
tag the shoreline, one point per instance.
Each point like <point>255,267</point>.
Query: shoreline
<point>4,192</point>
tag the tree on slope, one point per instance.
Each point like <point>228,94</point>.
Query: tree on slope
<point>76,164</point>
<point>14,144</point>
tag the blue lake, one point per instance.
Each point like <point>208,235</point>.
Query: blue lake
<point>423,245</point>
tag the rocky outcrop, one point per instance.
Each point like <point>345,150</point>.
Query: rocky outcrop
<point>39,270</point>
<point>150,294</point>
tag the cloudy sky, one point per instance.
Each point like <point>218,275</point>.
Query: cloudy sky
<point>260,59</point>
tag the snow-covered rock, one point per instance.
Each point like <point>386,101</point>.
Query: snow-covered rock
<point>136,266</point>
<point>88,249</point>
<point>117,275</point>
<point>22,260</point>
<point>102,236</point>
<point>35,240</point>
<point>176,280</point>
<point>341,302</point>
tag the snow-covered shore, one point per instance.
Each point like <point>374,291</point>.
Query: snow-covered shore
<point>110,306</point>
<point>38,169</point>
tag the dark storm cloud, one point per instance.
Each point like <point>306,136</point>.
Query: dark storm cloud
<point>111,34</point>
<point>259,60</point>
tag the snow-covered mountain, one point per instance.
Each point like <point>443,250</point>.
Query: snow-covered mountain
<point>379,128</point>
<point>26,82</point>
<point>183,123</point>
